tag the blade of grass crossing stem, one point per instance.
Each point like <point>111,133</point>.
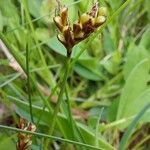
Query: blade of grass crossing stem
<point>49,137</point>
<point>97,128</point>
<point>131,127</point>
<point>115,14</point>
<point>28,80</point>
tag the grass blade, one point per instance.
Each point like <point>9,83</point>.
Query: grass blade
<point>97,128</point>
<point>49,137</point>
<point>28,81</point>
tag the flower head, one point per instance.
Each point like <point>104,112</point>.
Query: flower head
<point>86,24</point>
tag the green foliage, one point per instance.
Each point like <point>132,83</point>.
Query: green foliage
<point>7,142</point>
<point>107,92</point>
<point>136,84</point>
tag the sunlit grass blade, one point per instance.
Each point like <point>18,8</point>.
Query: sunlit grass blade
<point>28,80</point>
<point>97,128</point>
<point>49,137</point>
<point>10,80</point>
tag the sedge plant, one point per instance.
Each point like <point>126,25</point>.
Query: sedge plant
<point>69,36</point>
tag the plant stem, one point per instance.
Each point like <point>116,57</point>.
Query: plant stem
<point>28,82</point>
<point>69,112</point>
<point>60,98</point>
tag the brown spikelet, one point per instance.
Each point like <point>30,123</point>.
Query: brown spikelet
<point>24,140</point>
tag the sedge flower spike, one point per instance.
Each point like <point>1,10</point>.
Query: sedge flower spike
<point>25,140</point>
<point>86,24</point>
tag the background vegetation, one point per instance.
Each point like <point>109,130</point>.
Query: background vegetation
<point>108,87</point>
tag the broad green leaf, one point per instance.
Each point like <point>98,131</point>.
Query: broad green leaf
<point>8,12</point>
<point>56,46</point>
<point>135,85</point>
<point>34,7</point>
<point>89,69</point>
<point>139,103</point>
<point>134,56</point>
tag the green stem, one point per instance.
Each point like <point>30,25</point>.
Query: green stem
<point>60,98</point>
<point>28,82</point>
<point>69,112</point>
